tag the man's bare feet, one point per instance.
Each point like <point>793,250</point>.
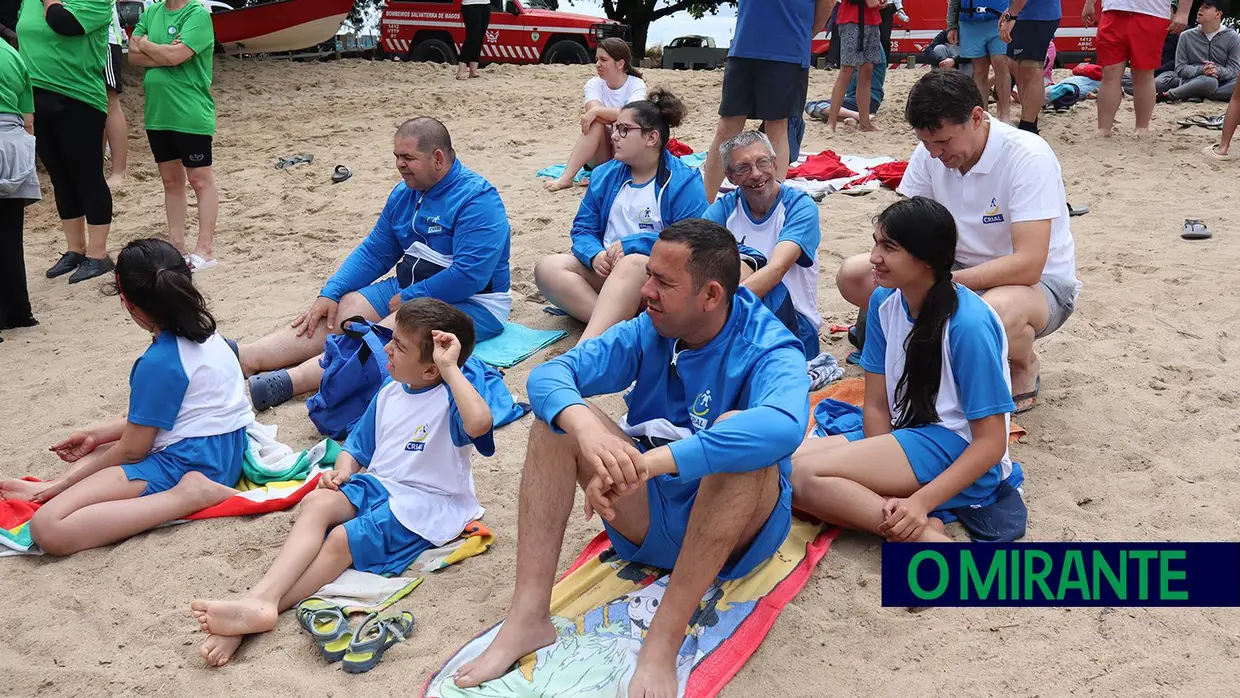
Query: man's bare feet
<point>237,617</point>
<point>218,649</point>
<point>514,640</point>
<point>22,490</point>
<point>558,184</point>
<point>655,676</point>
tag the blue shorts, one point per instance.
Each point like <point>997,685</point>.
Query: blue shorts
<point>670,504</point>
<point>486,326</point>
<point>217,457</point>
<point>808,334</point>
<point>378,543</point>
<point>981,39</point>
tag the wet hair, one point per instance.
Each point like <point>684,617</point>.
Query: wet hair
<point>620,51</point>
<point>155,279</point>
<point>713,254</point>
<point>942,97</point>
<point>430,134</point>
<point>927,231</point>
<point>744,139</point>
<point>660,111</point>
<point>420,316</point>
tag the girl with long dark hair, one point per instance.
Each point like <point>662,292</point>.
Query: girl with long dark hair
<point>933,442</point>
<point>179,448</point>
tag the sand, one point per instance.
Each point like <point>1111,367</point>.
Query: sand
<point>1134,440</point>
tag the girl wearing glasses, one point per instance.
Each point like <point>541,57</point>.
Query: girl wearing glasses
<point>630,200</point>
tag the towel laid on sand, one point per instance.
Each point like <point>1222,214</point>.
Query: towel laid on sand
<point>695,160</point>
<point>603,606</point>
<point>516,344</point>
<point>863,177</point>
<point>265,459</point>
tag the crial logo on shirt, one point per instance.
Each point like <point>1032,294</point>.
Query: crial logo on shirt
<point>700,410</point>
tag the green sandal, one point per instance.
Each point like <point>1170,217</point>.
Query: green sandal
<point>327,624</point>
<point>375,636</point>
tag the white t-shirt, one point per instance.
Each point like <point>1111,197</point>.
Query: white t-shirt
<point>414,443</point>
<point>635,210</point>
<point>1157,8</point>
<point>633,90</point>
<point>1017,179</point>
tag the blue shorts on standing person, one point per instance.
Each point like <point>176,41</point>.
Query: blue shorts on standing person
<point>980,39</point>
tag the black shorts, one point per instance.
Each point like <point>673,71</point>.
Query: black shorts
<point>760,89</point>
<point>192,149</point>
<point>1031,39</point>
<point>112,68</point>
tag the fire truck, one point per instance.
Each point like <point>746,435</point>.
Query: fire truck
<point>1074,42</point>
<point>527,31</point>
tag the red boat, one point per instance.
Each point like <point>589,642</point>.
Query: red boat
<point>265,27</point>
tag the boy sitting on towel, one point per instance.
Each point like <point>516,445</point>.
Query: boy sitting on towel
<point>418,492</point>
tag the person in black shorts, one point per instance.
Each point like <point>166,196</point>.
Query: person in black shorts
<point>766,75</point>
<point>116,129</point>
<point>1029,27</point>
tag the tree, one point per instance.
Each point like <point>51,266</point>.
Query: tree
<point>638,14</point>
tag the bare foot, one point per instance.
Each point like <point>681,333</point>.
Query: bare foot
<point>514,641</point>
<point>1025,382</point>
<point>869,127</point>
<point>202,490</point>
<point>237,617</point>
<point>655,676</point>
<point>21,490</point>
<point>831,124</point>
<point>218,649</point>
<point>1103,133</point>
<point>1141,133</point>
<point>558,184</point>
<point>849,121</point>
<point>115,179</point>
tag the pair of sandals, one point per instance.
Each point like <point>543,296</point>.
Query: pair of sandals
<point>358,650</point>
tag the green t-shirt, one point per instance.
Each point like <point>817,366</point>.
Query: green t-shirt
<point>16,97</point>
<point>178,97</point>
<point>68,65</point>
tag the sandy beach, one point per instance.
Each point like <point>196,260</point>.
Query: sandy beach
<point>1135,437</point>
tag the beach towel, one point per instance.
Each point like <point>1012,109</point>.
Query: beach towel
<point>820,166</point>
<point>690,158</point>
<point>888,174</point>
<point>820,188</point>
<point>602,607</point>
<point>678,148</point>
<point>474,540</point>
<point>516,344</point>
<point>363,592</point>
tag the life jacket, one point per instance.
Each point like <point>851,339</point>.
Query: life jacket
<point>982,10</point>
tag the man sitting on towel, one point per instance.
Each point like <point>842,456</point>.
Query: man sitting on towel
<point>781,224</point>
<point>445,231</point>
<point>694,478</point>
<point>1005,189</point>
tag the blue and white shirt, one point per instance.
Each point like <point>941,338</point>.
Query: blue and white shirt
<point>635,211</point>
<point>188,390</point>
<point>415,444</point>
<point>450,243</point>
<point>754,364</point>
<point>975,381</point>
<point>793,218</point>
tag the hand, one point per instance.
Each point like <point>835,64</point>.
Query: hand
<point>447,349</point>
<point>1211,70</point>
<point>905,519</point>
<point>1005,30</point>
<point>587,120</point>
<point>1178,23</point>
<point>601,264</point>
<point>395,303</point>
<point>43,496</point>
<point>615,253</point>
<point>333,479</point>
<point>79,444</point>
<point>953,37</point>
<point>599,499</point>
<point>614,458</point>
<point>323,308</point>
<point>1088,15</point>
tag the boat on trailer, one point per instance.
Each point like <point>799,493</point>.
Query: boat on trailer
<point>264,27</point>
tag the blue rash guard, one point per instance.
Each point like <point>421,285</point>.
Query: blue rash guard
<point>451,243</point>
<point>754,365</point>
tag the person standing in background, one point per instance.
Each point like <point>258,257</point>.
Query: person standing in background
<point>19,186</point>
<point>64,47</point>
<point>116,129</point>
<point>1029,27</point>
<point>477,17</point>
<point>8,21</point>
<point>175,41</point>
<point>975,26</point>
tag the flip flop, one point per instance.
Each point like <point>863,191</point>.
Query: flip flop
<point>373,637</point>
<point>1032,396</point>
<point>341,174</point>
<point>1077,210</point>
<point>1195,229</point>
<point>294,160</point>
<point>197,263</point>
<point>1211,151</point>
<point>327,624</point>
<point>270,389</point>
<point>1214,123</point>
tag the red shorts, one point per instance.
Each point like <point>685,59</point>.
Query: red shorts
<point>1131,37</point>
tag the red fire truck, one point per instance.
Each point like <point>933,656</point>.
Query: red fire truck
<point>527,31</point>
<point>1074,42</point>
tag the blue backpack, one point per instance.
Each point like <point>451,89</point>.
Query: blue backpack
<point>355,368</point>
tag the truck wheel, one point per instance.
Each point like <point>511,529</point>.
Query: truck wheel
<point>567,52</point>
<point>433,51</point>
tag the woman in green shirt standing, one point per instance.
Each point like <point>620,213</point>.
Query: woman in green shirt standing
<point>19,186</point>
<point>63,45</point>
<point>175,41</point>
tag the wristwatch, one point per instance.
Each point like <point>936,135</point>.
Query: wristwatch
<point>1007,17</point>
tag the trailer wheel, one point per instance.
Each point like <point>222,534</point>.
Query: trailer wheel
<point>433,51</point>
<point>567,52</point>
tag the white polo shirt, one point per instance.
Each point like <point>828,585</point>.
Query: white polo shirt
<point>1017,179</point>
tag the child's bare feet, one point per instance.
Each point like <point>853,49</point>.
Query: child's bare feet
<point>22,490</point>
<point>236,617</point>
<point>218,649</point>
<point>514,641</point>
<point>202,490</point>
<point>558,184</point>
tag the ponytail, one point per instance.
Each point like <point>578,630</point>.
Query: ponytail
<point>155,279</point>
<point>661,111</point>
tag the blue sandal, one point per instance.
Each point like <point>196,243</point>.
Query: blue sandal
<point>327,624</point>
<point>375,636</point>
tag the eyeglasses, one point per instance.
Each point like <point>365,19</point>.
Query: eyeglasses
<point>745,169</point>
<point>623,129</point>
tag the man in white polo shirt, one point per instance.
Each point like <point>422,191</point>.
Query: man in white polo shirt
<point>1005,189</point>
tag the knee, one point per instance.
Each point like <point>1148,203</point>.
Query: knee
<point>548,269</point>
<point>728,127</point>
<point>854,280</point>
<point>316,504</point>
<point>47,533</point>
<point>354,304</point>
<point>631,266</point>
<point>200,178</point>
<point>172,180</point>
<point>337,542</point>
